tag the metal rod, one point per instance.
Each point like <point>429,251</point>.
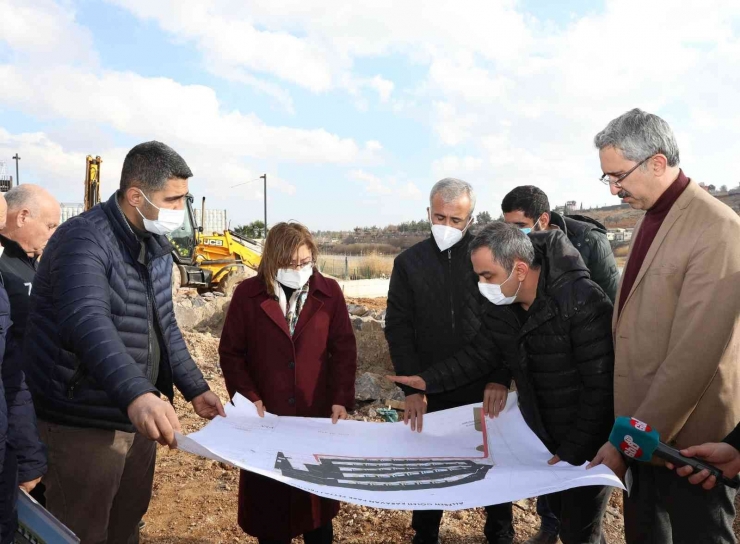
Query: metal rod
<point>264,177</point>
<point>16,158</point>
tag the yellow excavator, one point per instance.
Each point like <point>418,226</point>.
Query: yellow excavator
<point>216,261</point>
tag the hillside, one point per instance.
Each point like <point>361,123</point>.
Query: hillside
<point>627,217</point>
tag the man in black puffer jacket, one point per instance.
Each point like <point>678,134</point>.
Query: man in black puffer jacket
<point>550,326</point>
<point>434,310</point>
<point>528,208</point>
<point>102,348</point>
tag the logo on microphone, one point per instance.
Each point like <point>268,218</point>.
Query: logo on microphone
<point>630,448</point>
<point>640,426</point>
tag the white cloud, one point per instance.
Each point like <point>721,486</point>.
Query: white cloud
<point>383,86</point>
<point>60,170</point>
<point>45,30</point>
<point>161,108</point>
<point>453,166</point>
<point>373,184</point>
<point>393,186</point>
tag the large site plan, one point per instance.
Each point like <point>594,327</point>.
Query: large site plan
<point>461,459</point>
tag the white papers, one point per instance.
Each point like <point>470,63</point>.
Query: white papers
<point>456,463</point>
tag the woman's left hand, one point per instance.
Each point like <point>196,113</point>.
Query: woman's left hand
<point>338,412</point>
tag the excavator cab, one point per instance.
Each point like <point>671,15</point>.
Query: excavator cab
<point>184,242</point>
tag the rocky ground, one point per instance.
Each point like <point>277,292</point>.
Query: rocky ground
<point>195,499</point>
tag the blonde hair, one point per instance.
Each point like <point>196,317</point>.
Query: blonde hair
<point>283,240</point>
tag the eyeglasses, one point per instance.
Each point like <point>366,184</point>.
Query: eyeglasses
<point>297,266</point>
<point>606,179</point>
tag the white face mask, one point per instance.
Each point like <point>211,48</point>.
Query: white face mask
<point>166,222</point>
<point>295,279</point>
<point>492,292</point>
<point>445,236</point>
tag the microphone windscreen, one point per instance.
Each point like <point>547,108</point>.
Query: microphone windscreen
<point>634,438</point>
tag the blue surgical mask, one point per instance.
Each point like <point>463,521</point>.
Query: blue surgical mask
<point>527,230</point>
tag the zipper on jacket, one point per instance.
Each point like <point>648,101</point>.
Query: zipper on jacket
<point>77,377</point>
<point>149,312</point>
<point>452,295</point>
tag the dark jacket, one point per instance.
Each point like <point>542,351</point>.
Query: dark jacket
<point>18,271</point>
<point>22,455</point>
<point>434,310</point>
<point>733,439</point>
<point>559,352</point>
<point>88,346</point>
<point>5,323</point>
<point>589,238</point>
<point>303,375</point>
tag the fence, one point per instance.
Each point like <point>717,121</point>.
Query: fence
<point>350,267</point>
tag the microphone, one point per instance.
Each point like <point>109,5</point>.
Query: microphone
<point>639,441</point>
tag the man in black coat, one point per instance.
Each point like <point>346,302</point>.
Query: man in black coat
<point>22,455</point>
<point>104,351</point>
<point>528,208</point>
<point>434,310</point>
<point>33,216</point>
<point>550,326</point>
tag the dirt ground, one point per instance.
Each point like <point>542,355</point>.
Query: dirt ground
<point>369,303</point>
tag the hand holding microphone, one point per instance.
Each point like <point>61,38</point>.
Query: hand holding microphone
<point>640,442</point>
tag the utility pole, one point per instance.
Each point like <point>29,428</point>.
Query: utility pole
<point>16,158</point>
<point>264,177</point>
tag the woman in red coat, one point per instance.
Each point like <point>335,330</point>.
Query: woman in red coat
<point>288,346</point>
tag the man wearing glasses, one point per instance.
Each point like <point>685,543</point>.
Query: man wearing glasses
<point>676,329</point>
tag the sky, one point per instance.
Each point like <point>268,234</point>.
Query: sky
<point>354,110</point>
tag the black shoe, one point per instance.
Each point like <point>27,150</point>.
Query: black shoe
<point>421,540</point>
<point>543,538</point>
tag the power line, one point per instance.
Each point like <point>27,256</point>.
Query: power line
<point>246,182</point>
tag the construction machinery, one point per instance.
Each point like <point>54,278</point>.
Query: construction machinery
<point>215,261</point>
<point>92,182</point>
<point>211,261</point>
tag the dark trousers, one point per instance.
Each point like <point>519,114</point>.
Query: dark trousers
<point>499,528</point>
<point>322,535</point>
<point>9,497</point>
<point>663,509</point>
<point>580,511</point>
<point>549,522</point>
<point>99,482</point>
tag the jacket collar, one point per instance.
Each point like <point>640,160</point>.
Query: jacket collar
<point>13,249</point>
<point>157,246</point>
<point>683,201</point>
<point>317,283</point>
<point>460,248</point>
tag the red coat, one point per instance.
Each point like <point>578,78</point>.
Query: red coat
<point>300,376</point>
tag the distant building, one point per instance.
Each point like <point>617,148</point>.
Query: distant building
<point>6,181</point>
<point>71,210</point>
<point>619,235</point>
<point>215,221</point>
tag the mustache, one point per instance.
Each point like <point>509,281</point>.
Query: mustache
<point>623,194</point>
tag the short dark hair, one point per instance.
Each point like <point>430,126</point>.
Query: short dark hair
<point>507,244</point>
<point>531,200</point>
<point>150,165</point>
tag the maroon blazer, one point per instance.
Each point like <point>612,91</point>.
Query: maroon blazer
<point>300,376</point>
